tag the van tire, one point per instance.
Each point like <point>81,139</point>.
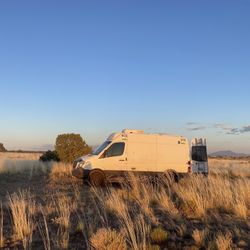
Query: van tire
<point>170,177</point>
<point>97,178</point>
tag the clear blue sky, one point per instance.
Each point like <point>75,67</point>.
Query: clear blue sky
<point>94,67</point>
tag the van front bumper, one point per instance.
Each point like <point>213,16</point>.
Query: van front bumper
<point>80,173</point>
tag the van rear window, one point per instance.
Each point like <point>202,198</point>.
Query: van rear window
<point>199,153</point>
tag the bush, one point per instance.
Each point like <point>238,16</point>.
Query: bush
<point>50,156</point>
<point>2,148</point>
<point>71,146</point>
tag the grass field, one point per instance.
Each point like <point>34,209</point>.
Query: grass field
<point>43,207</point>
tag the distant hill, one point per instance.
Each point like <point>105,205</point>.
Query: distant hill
<point>227,153</point>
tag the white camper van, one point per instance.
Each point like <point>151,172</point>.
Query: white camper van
<point>135,151</point>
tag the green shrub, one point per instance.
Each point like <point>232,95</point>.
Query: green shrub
<point>2,148</point>
<point>70,147</point>
<point>50,156</point>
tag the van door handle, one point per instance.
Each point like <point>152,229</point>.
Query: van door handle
<point>133,168</point>
<point>123,159</point>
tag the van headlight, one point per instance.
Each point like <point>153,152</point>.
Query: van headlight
<point>87,165</point>
<point>81,163</point>
<point>78,163</point>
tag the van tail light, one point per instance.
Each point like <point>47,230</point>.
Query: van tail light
<point>189,167</point>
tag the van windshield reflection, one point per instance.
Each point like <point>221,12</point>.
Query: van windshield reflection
<point>101,148</point>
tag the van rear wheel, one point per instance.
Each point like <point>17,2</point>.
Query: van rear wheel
<point>97,178</point>
<point>170,177</point>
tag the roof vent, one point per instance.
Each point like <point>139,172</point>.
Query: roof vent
<point>132,131</point>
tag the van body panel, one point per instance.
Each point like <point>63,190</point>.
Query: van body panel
<point>141,152</point>
<point>172,155</point>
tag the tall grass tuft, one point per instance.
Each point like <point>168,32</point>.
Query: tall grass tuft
<point>199,195</point>
<point>135,227</point>
<point>142,191</point>
<point>22,209</point>
<point>64,207</point>
<point>106,238</point>
<point>158,235</point>
<point>199,237</point>
<point>60,171</point>
<point>223,241</point>
<point>1,226</point>
<point>44,231</point>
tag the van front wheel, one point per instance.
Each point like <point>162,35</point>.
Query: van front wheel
<point>97,178</point>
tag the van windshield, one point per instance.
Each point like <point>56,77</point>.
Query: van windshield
<point>101,148</point>
<point>199,153</point>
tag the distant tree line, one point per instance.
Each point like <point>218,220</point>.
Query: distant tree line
<point>25,151</point>
<point>68,147</point>
<point>3,149</point>
<point>230,157</point>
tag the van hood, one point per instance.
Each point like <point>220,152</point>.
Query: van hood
<point>86,157</point>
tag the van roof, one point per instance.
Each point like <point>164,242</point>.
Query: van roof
<point>135,131</point>
<point>126,132</point>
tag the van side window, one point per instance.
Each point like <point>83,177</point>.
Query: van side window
<point>115,149</point>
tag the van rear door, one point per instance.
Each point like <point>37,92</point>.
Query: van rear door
<point>199,156</point>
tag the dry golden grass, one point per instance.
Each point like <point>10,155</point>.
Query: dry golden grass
<point>19,156</point>
<point>44,231</point>
<point>158,235</point>
<point>223,241</point>
<point>31,167</point>
<point>230,168</point>
<point>165,203</point>
<point>199,237</point>
<point>1,226</point>
<point>60,171</point>
<point>64,207</point>
<point>145,214</point>
<point>134,225</point>
<point>19,163</point>
<point>106,238</point>
<point>142,192</point>
<point>22,209</point>
<point>201,194</point>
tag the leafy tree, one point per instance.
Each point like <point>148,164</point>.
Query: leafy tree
<point>71,146</point>
<point>50,156</point>
<point>2,148</point>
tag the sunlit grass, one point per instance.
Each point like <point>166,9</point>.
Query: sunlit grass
<point>142,214</point>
